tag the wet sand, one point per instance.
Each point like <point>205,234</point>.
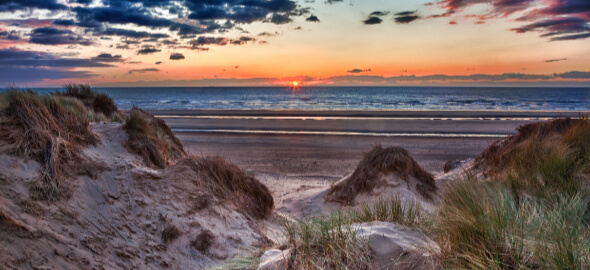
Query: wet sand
<point>278,142</point>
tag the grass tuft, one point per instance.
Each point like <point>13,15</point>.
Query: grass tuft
<point>43,129</point>
<point>97,102</point>
<point>534,210</point>
<point>249,261</point>
<point>379,161</point>
<point>330,242</point>
<point>531,212</point>
<point>170,233</point>
<point>203,241</point>
<point>152,139</point>
<point>228,182</point>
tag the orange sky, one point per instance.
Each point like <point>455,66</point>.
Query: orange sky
<point>340,44</point>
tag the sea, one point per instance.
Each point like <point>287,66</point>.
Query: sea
<point>350,98</point>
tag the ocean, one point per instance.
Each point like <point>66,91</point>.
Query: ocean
<point>351,98</point>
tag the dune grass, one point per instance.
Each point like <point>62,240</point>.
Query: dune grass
<point>97,102</point>
<point>249,261</point>
<point>43,129</point>
<point>532,213</point>
<point>378,161</point>
<point>152,139</point>
<point>51,129</point>
<point>227,182</point>
<point>330,242</point>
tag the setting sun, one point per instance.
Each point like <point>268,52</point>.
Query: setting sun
<point>295,84</point>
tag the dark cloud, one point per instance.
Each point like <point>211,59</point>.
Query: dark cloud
<point>569,7</point>
<point>267,34</point>
<point>30,66</point>
<point>16,57</point>
<point>27,23</point>
<point>11,35</point>
<point>574,75</point>
<point>169,42</point>
<point>555,60</point>
<point>148,50</point>
<point>280,18</point>
<point>159,62</point>
<point>364,79</point>
<point>242,40</point>
<point>554,26</point>
<point>406,13</point>
<point>240,11</point>
<point>379,13</point>
<point>107,57</point>
<point>94,17</point>
<point>195,17</point>
<point>312,18</point>
<point>358,70</point>
<point>27,75</point>
<point>499,7</point>
<point>53,63</point>
<point>176,56</point>
<point>572,37</point>
<point>120,13</point>
<point>406,17</point>
<point>83,2</point>
<point>568,28</point>
<point>130,33</point>
<point>144,70</point>
<point>130,41</point>
<point>204,41</point>
<point>54,36</point>
<point>372,20</point>
<point>333,1</point>
<point>556,19</point>
<point>175,10</point>
<point>64,22</point>
<point>14,5</point>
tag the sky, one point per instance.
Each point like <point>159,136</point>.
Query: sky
<point>108,43</point>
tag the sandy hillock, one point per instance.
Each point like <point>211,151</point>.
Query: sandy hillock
<point>384,169</point>
<point>74,195</point>
<point>531,139</point>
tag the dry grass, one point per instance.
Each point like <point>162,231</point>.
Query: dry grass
<point>380,161</point>
<point>227,182</point>
<point>40,128</point>
<point>152,139</point>
<point>170,233</point>
<point>249,261</point>
<point>97,102</point>
<point>330,242</point>
<point>534,210</point>
<point>497,156</point>
<point>203,241</point>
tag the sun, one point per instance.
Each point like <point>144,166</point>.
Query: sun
<point>295,86</point>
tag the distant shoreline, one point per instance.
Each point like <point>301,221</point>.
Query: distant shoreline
<point>359,101</point>
<point>371,113</point>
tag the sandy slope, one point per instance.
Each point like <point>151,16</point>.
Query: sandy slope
<point>116,215</point>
